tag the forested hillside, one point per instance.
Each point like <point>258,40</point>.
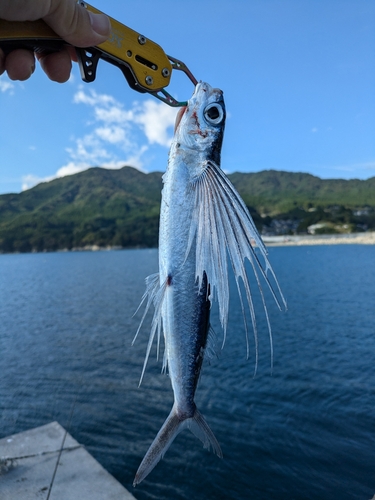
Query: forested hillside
<point>121,208</point>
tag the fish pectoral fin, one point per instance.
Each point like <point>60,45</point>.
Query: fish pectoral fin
<point>165,437</point>
<point>222,227</point>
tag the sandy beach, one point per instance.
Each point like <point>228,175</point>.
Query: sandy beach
<point>329,239</point>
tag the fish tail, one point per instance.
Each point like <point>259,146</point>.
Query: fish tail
<point>165,437</point>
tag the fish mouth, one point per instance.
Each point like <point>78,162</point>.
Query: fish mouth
<point>201,87</point>
<point>205,87</point>
<point>179,116</point>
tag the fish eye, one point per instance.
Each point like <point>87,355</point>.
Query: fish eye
<point>214,113</point>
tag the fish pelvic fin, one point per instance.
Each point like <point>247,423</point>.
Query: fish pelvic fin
<point>154,295</point>
<point>173,425</point>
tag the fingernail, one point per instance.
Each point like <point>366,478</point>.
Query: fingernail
<point>100,24</point>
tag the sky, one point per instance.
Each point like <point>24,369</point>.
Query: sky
<point>298,78</point>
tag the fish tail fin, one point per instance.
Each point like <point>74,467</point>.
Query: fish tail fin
<point>165,437</point>
<point>199,427</point>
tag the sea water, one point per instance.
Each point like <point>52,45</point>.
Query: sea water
<point>302,429</point>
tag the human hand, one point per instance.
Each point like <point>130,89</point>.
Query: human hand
<point>72,22</point>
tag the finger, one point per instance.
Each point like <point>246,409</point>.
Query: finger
<point>68,19</point>
<point>57,66</point>
<point>76,24</point>
<point>11,10</point>
<point>2,62</point>
<point>20,64</point>
<point>72,53</point>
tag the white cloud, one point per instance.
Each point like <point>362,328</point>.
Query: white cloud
<point>71,168</point>
<point>112,134</point>
<point>155,119</point>
<point>120,134</point>
<point>355,167</point>
<point>94,99</point>
<point>89,149</point>
<point>74,168</point>
<point>6,86</point>
<point>28,181</point>
<point>133,160</point>
<point>117,136</point>
<point>113,114</point>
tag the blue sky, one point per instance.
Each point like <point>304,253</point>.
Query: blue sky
<point>298,78</point>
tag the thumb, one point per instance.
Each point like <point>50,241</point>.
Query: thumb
<point>76,24</point>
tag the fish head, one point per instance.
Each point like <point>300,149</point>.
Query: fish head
<point>200,124</point>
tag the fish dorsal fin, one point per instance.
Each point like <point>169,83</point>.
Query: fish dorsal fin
<point>222,226</point>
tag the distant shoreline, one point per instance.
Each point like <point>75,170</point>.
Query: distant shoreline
<point>321,239</point>
<point>270,241</point>
<point>86,248</point>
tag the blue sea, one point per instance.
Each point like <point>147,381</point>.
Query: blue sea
<point>302,429</point>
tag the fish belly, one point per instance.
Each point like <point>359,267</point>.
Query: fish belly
<point>185,309</point>
<point>185,324</point>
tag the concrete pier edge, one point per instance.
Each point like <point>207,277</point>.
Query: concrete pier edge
<point>28,461</point>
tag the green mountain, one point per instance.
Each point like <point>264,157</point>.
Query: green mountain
<point>121,207</point>
<point>96,207</point>
<point>273,192</point>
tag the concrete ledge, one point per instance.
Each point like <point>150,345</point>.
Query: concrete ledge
<point>27,464</point>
